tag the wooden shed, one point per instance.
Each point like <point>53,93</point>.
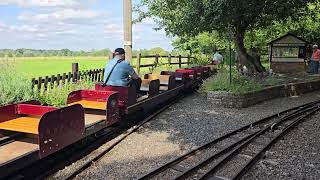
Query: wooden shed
<point>287,54</point>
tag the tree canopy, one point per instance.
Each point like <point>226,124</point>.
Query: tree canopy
<point>227,17</point>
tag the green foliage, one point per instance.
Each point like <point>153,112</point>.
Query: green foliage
<point>207,43</point>
<point>231,19</point>
<point>58,96</point>
<point>68,53</point>
<point>305,25</point>
<point>240,84</point>
<point>152,51</point>
<point>201,59</point>
<point>185,17</point>
<point>13,86</point>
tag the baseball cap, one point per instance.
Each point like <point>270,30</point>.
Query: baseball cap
<point>119,51</point>
<point>315,46</point>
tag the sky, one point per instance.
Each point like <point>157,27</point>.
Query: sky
<point>72,24</point>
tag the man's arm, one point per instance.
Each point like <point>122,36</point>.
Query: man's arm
<point>135,76</point>
<point>132,72</point>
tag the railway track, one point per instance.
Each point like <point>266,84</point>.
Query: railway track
<point>49,166</point>
<point>128,133</point>
<point>232,155</point>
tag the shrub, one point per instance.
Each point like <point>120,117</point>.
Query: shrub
<point>240,84</point>
<point>13,86</point>
<point>201,59</point>
<point>58,96</point>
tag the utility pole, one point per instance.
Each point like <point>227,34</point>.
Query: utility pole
<point>127,24</point>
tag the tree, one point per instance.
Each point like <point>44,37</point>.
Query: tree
<point>189,18</point>
<point>206,43</point>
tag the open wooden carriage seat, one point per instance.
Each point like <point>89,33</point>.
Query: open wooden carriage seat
<point>167,82</point>
<point>150,87</point>
<point>180,77</point>
<point>49,129</point>
<point>127,96</point>
<point>99,106</point>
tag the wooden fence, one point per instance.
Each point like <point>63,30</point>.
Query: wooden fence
<point>170,61</point>
<point>43,83</point>
<point>96,75</point>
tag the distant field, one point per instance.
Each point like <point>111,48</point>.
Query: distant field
<point>44,66</point>
<point>33,67</point>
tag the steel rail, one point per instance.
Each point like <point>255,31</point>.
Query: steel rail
<point>205,162</point>
<point>215,168</point>
<point>186,173</point>
<point>175,161</point>
<point>242,171</point>
<point>103,153</point>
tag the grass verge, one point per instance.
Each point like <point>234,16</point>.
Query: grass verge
<point>239,83</point>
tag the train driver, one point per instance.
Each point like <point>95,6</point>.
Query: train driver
<point>119,72</point>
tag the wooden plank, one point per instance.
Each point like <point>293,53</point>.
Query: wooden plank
<point>138,63</point>
<point>146,65</point>
<point>16,149</point>
<point>64,77</point>
<point>53,79</point>
<point>45,85</point>
<point>39,84</point>
<point>33,81</point>
<point>22,124</point>
<point>69,77</point>
<point>92,76</point>
<point>91,104</point>
<point>58,80</point>
<point>156,60</point>
<point>95,75</point>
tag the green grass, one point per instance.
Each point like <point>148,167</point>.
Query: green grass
<point>239,84</point>
<point>34,67</point>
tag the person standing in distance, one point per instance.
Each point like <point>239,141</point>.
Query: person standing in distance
<point>218,59</point>
<point>315,60</point>
<point>119,72</point>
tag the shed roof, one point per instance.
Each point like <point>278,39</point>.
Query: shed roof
<point>286,35</point>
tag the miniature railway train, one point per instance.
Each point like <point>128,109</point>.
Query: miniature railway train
<point>30,132</point>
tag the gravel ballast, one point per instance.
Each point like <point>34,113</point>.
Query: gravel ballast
<point>193,122</point>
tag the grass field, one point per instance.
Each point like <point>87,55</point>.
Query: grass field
<point>46,66</point>
<point>33,67</point>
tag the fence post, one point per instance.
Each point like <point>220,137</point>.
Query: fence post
<point>58,80</point>
<point>180,61</point>
<point>138,63</point>
<point>33,81</point>
<point>45,86</point>
<point>169,59</point>
<point>39,84</point>
<point>75,70</point>
<point>156,60</point>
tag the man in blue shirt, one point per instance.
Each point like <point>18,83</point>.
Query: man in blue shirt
<point>119,72</point>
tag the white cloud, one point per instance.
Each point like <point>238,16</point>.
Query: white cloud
<point>67,32</point>
<point>72,16</point>
<point>41,3</point>
<point>113,30</point>
<point>147,22</point>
